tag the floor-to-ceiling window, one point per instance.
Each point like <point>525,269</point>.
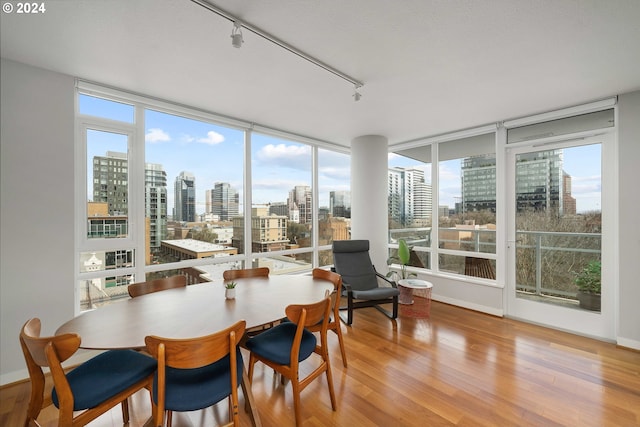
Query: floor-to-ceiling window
<point>166,190</point>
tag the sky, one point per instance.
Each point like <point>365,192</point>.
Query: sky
<point>214,153</point>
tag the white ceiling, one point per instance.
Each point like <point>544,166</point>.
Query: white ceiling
<point>428,66</point>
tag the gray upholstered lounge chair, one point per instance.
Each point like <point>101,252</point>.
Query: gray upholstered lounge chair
<point>361,284</point>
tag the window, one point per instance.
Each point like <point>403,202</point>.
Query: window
<point>467,201</point>
<point>410,203</point>
<point>334,193</point>
<point>165,194</point>
<point>465,213</point>
<point>282,202</point>
<point>193,188</point>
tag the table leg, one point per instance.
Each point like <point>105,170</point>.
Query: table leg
<point>248,397</point>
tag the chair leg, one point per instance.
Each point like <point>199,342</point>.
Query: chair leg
<point>125,411</point>
<point>338,331</point>
<point>332,395</point>
<point>296,402</point>
<point>395,307</point>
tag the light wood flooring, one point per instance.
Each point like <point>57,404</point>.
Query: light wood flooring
<point>457,368</point>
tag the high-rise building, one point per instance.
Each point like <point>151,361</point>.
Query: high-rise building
<point>225,201</point>
<point>155,203</point>
<point>541,184</point>
<point>479,183</point>
<point>340,204</point>
<point>539,181</point>
<point>185,198</point>
<point>300,199</point>
<point>111,182</point>
<point>409,196</point>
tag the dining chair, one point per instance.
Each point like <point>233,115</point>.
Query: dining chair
<point>196,373</point>
<point>156,285</point>
<point>94,387</point>
<point>334,321</point>
<point>244,273</point>
<point>284,346</point>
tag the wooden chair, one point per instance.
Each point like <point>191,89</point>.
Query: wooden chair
<point>334,321</point>
<point>156,285</point>
<point>284,346</point>
<point>196,373</point>
<point>246,272</point>
<point>93,387</point>
<point>228,275</point>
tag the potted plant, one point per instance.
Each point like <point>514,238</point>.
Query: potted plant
<point>589,286</point>
<point>230,290</point>
<point>403,258</point>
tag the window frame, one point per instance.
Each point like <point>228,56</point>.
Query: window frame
<point>136,164</point>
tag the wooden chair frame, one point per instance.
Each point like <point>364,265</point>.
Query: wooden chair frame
<point>193,353</point>
<point>245,272</point>
<point>334,322</point>
<point>156,285</point>
<point>50,352</point>
<point>303,316</point>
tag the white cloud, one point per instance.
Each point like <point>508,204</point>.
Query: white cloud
<point>282,155</point>
<point>157,135</point>
<point>212,138</point>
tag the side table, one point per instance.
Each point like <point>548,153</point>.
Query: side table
<point>406,288</point>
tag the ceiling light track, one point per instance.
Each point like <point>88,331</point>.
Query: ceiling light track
<point>257,31</point>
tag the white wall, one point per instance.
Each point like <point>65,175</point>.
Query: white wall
<point>37,215</point>
<point>628,218</point>
<point>36,206</point>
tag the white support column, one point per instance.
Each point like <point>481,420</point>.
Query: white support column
<point>369,205</point>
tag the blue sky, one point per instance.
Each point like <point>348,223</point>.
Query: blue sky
<point>214,153</point>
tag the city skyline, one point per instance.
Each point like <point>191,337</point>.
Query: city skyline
<point>278,165</point>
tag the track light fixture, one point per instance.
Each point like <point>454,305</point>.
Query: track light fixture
<point>237,40</point>
<point>236,35</point>
<point>356,95</point>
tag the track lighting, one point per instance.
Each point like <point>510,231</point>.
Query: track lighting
<point>237,40</point>
<point>356,95</point>
<point>236,35</point>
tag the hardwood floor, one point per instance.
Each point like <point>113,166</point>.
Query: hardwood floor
<point>458,368</point>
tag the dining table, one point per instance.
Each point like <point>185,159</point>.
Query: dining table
<point>194,311</point>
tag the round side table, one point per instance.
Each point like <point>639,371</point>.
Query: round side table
<point>423,307</point>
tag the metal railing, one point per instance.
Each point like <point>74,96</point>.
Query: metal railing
<point>546,261</point>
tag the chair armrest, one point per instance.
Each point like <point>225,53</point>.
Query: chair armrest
<point>391,282</point>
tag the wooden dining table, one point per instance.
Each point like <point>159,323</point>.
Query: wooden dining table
<point>195,311</point>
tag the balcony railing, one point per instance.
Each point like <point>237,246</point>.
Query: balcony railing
<point>546,261</point>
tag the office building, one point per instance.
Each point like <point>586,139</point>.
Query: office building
<point>185,198</point>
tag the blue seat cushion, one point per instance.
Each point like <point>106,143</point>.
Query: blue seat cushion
<point>198,388</point>
<point>105,375</point>
<point>275,344</point>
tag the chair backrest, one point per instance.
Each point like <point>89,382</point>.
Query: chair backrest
<point>190,353</point>
<point>336,279</point>
<point>156,285</point>
<point>48,352</point>
<point>305,315</point>
<point>351,260</point>
<point>246,272</point>
<point>193,353</point>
